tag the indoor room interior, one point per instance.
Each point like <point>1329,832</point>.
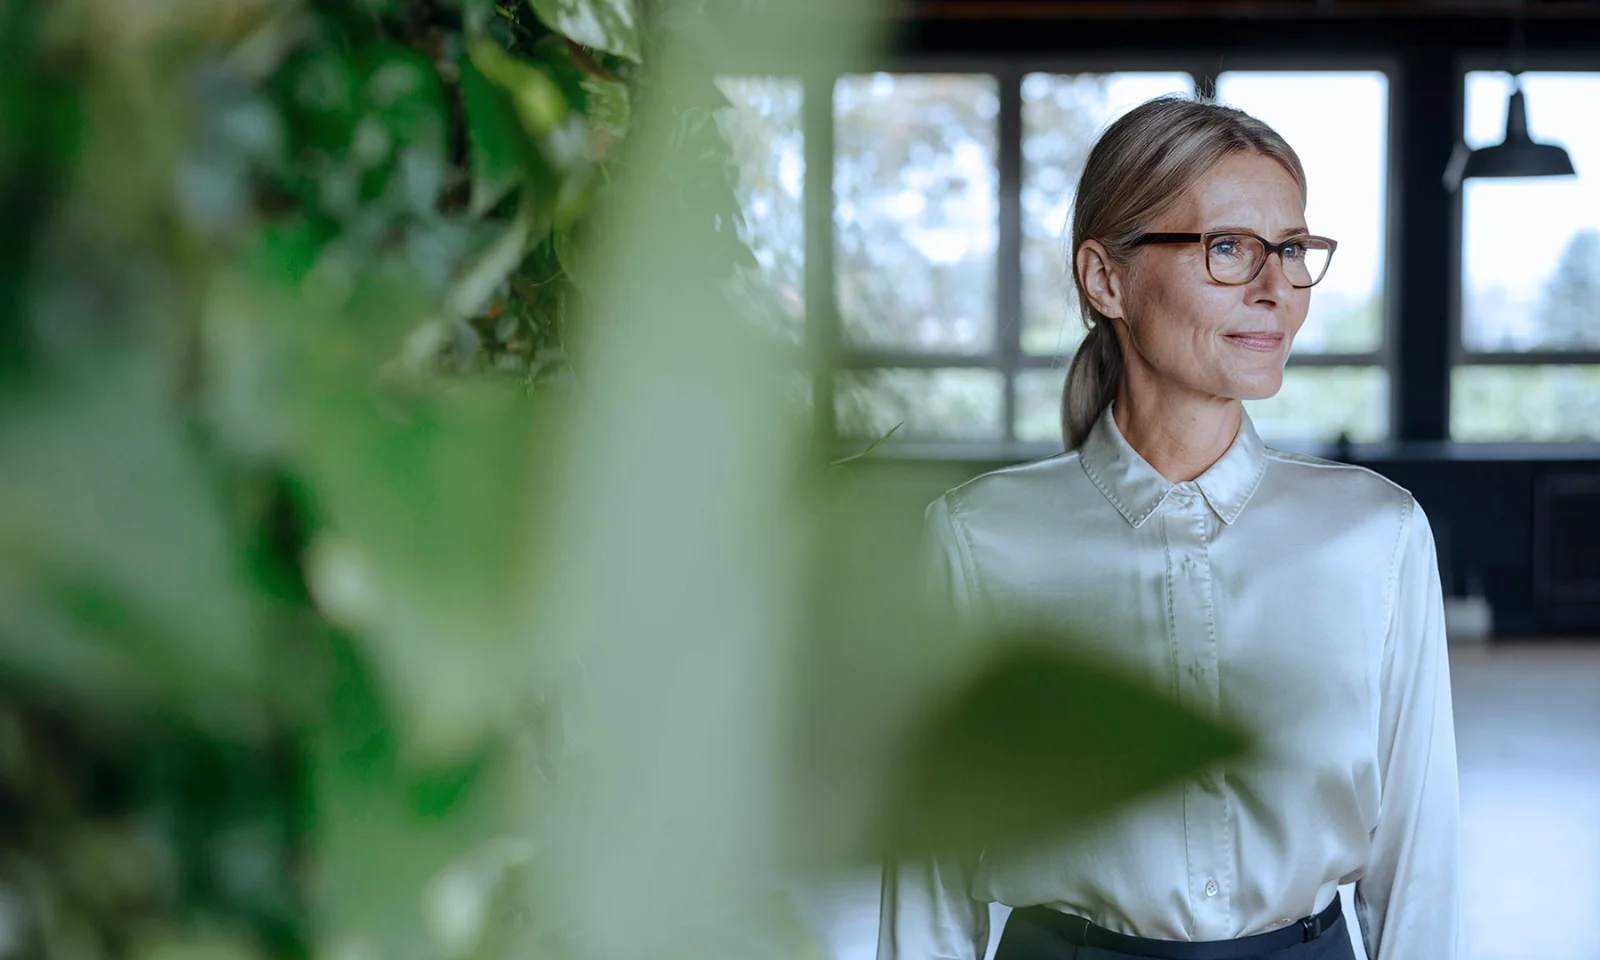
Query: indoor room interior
<point>472,471</point>
<point>912,216</point>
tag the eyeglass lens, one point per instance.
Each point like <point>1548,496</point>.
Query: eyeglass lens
<point>1235,258</point>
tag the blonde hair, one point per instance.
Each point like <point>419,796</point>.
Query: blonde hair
<point>1140,168</point>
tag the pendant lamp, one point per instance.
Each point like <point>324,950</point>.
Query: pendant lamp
<point>1516,156</point>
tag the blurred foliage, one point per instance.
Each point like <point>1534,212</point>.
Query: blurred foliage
<point>935,404</point>
<point>1551,402</point>
<point>766,140</point>
<point>987,773</point>
<point>1569,315</point>
<point>916,176</point>
<point>408,551</point>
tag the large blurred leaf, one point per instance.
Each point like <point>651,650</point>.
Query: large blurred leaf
<point>677,554</point>
<point>383,829</point>
<point>609,25</point>
<point>922,730</point>
<point>1039,741</point>
<point>119,575</point>
<point>682,576</point>
<point>435,496</point>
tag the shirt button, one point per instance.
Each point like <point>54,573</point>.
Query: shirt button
<point>1211,888</point>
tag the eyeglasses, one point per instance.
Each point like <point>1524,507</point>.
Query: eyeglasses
<point>1235,258</point>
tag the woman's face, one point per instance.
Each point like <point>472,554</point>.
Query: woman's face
<point>1182,328</point>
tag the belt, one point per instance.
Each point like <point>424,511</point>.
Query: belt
<point>1080,931</point>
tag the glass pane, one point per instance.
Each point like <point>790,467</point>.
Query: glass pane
<point>1530,250</point>
<point>933,404</point>
<point>1039,405</point>
<point>1061,117</point>
<point>916,219</point>
<point>1315,404</point>
<point>1556,402</point>
<point>1338,123</point>
<point>1319,403</point>
<point>765,133</point>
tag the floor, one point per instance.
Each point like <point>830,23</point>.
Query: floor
<point>1528,735</point>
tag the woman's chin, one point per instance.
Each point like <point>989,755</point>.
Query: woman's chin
<point>1257,388</point>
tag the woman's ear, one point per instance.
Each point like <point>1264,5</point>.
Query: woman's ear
<point>1101,278</point>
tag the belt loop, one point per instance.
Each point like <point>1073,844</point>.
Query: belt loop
<point>1083,932</point>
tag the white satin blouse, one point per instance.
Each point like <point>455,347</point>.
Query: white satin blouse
<point>1293,596</point>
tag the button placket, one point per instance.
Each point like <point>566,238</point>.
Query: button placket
<point>1194,648</point>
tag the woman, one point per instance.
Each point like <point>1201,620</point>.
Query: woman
<point>1294,597</point>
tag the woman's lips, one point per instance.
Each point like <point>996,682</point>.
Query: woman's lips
<point>1265,342</point>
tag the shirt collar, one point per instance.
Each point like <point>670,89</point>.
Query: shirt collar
<point>1136,489</point>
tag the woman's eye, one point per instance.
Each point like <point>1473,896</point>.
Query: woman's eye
<point>1295,251</point>
<point>1225,248</point>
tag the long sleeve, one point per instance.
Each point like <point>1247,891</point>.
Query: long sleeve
<point>927,908</point>
<point>1408,899</point>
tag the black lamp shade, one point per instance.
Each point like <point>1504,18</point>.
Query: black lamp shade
<point>1517,156</point>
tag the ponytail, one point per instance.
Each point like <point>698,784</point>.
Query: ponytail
<point>1092,383</point>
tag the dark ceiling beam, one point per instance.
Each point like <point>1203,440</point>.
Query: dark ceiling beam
<point>1066,36</point>
<point>1245,9</point>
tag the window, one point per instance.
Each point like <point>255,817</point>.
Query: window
<point>1528,366</point>
<point>1337,123</point>
<point>915,217</point>
<point>951,197</point>
<point>916,222</point>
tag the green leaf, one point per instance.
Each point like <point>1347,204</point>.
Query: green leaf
<point>558,56</point>
<point>871,448</point>
<point>401,88</point>
<point>537,98</point>
<point>318,88</point>
<point>609,112</point>
<point>472,291</point>
<point>172,944</point>
<point>41,116</point>
<point>1040,741</point>
<point>609,25</point>
<point>498,143</point>
<point>692,121</point>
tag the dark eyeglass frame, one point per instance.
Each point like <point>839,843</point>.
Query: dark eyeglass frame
<point>1204,239</point>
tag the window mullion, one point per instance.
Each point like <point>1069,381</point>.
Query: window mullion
<point>821,300</point>
<point>1008,260</point>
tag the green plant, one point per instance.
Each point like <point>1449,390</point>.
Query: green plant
<point>407,552</point>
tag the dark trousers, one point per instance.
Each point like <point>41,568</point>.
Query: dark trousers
<point>1028,941</point>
